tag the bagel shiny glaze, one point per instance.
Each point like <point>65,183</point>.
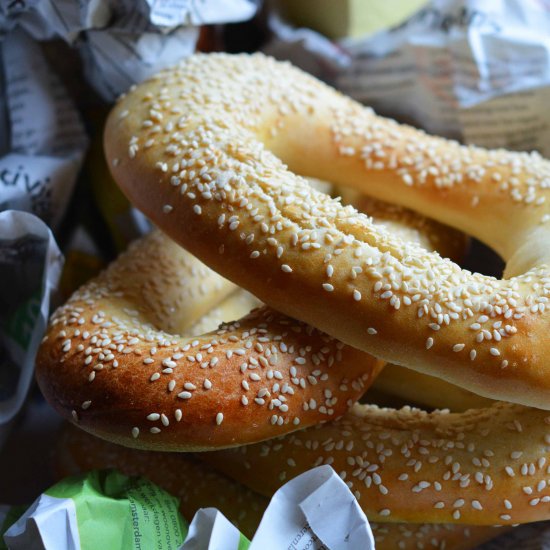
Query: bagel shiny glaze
<point>203,150</point>
<point>128,357</point>
<point>117,360</point>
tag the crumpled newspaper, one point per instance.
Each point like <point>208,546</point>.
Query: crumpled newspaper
<point>30,266</point>
<point>106,508</point>
<point>474,70</point>
<point>42,139</point>
<point>122,42</point>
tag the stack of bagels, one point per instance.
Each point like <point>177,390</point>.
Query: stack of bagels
<point>251,322</point>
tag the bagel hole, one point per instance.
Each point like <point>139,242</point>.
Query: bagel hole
<point>482,259</point>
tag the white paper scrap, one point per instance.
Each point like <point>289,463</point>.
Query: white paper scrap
<point>54,526</point>
<point>314,511</point>
<point>211,530</point>
<point>171,13</point>
<point>115,59</point>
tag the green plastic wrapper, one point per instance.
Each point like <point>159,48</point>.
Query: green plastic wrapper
<point>100,509</point>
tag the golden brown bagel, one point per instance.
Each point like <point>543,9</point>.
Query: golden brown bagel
<point>200,149</point>
<point>198,486</point>
<point>114,360</point>
<point>156,285</point>
<point>483,467</point>
<point>431,536</point>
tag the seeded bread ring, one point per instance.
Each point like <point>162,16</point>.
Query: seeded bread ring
<point>199,486</point>
<point>107,364</point>
<point>110,334</point>
<point>200,149</point>
<point>481,467</point>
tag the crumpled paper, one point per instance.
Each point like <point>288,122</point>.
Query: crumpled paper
<point>30,266</point>
<point>122,42</point>
<point>42,139</point>
<point>296,518</point>
<point>134,512</point>
<point>99,509</point>
<point>474,70</point>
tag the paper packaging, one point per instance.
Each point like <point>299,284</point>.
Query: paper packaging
<point>30,265</point>
<point>474,70</point>
<point>108,509</point>
<point>122,42</point>
<point>42,137</point>
<point>296,519</point>
<point>101,509</point>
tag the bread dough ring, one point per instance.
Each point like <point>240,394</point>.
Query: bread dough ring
<point>200,149</point>
<point>117,361</point>
<point>137,330</point>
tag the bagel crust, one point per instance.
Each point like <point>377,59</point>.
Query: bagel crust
<point>116,360</point>
<point>200,149</point>
<point>482,467</point>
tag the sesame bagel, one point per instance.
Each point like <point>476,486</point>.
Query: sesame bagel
<point>210,150</point>
<point>481,467</point>
<point>199,486</point>
<point>122,357</point>
<point>117,361</point>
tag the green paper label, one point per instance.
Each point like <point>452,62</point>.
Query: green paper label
<point>244,543</point>
<point>116,511</point>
